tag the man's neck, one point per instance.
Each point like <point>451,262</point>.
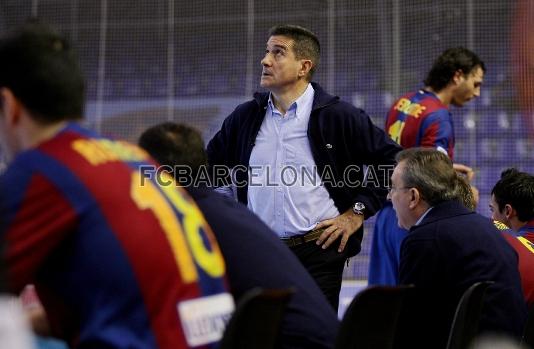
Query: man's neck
<point>444,95</point>
<point>516,224</point>
<point>283,99</point>
<point>36,133</point>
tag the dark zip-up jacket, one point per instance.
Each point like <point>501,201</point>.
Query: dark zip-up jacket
<point>342,139</point>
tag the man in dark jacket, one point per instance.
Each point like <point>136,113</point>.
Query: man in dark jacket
<point>449,248</point>
<point>298,155</point>
<point>254,256</point>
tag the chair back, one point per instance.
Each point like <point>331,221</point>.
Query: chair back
<point>256,320</point>
<point>465,322</point>
<point>528,333</point>
<point>370,321</point>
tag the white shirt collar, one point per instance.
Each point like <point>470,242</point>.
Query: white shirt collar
<point>422,217</point>
<point>304,99</point>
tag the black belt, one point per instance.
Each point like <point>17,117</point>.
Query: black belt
<point>301,239</point>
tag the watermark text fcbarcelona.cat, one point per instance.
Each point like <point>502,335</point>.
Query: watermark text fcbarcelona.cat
<point>353,176</point>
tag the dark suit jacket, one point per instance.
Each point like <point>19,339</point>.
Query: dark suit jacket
<point>451,249</point>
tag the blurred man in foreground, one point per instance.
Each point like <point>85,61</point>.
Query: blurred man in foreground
<point>107,250</point>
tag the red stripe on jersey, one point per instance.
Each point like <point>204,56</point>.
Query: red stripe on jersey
<point>525,263</point>
<point>430,136</point>
<point>38,230</point>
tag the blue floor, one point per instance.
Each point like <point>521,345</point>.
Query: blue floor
<point>349,288</point>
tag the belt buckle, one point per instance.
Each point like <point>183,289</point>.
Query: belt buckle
<point>288,241</point>
<point>302,239</point>
<point>293,241</point>
<point>299,240</point>
<point>313,234</point>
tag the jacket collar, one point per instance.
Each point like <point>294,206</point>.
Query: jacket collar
<point>444,210</point>
<point>320,100</point>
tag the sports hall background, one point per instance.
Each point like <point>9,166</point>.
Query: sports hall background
<point>194,61</point>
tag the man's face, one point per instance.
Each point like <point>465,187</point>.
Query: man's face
<point>400,197</point>
<point>280,66</point>
<point>468,87</point>
<point>496,214</point>
<point>7,142</point>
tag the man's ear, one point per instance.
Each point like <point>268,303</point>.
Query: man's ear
<point>11,107</point>
<point>509,211</point>
<point>458,77</point>
<point>305,67</point>
<point>415,198</point>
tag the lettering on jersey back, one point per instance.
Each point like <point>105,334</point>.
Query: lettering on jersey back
<point>101,151</point>
<point>189,235</point>
<point>405,106</point>
<point>395,131</point>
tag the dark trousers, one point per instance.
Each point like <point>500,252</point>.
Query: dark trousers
<point>325,267</point>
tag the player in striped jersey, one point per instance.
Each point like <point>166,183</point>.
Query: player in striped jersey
<point>118,260</point>
<point>512,202</point>
<point>423,119</point>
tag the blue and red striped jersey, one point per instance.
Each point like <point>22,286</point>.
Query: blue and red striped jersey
<point>523,244</point>
<point>118,260</point>
<point>420,119</point>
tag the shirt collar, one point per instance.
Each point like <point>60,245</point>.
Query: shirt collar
<point>423,216</point>
<point>434,95</point>
<point>305,98</point>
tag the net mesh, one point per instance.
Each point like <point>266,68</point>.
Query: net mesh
<point>152,61</point>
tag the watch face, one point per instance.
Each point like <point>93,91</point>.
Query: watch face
<point>359,206</point>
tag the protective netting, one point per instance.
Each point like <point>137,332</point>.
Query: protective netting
<point>150,61</point>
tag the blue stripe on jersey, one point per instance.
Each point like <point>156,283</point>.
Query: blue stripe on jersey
<point>12,193</point>
<point>420,95</point>
<point>75,127</point>
<point>445,128</point>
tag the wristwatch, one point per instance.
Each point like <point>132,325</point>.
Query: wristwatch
<point>358,208</point>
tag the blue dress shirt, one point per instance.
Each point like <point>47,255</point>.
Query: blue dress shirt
<point>285,188</point>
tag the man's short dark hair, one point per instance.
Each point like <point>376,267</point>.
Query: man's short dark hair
<point>175,144</point>
<point>306,43</point>
<point>42,71</point>
<point>517,190</point>
<point>448,63</point>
